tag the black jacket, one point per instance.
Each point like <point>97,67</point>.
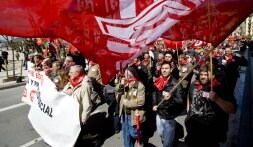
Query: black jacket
<point>169,109</point>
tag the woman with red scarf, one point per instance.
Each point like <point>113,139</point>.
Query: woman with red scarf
<point>170,108</point>
<point>132,100</point>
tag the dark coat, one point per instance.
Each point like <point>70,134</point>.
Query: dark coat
<point>169,109</point>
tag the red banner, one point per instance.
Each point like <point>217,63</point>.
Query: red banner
<point>117,31</point>
<point>173,44</point>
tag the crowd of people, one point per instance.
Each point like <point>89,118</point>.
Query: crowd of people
<point>147,95</point>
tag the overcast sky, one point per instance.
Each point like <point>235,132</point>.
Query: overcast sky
<point>1,37</point>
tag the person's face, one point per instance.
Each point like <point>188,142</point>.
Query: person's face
<point>228,51</point>
<point>44,66</point>
<point>36,60</point>
<point>203,77</point>
<point>146,56</point>
<point>165,70</point>
<point>127,74</point>
<point>73,74</point>
<point>30,58</point>
<point>180,58</point>
<point>168,57</point>
<point>55,67</point>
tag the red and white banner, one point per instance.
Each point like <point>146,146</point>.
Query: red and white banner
<point>54,115</point>
<point>173,44</point>
<point>198,43</point>
<point>116,31</point>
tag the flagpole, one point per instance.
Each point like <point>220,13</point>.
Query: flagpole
<point>177,57</point>
<point>210,47</point>
<point>191,69</point>
<point>211,68</point>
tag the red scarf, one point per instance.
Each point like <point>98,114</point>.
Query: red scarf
<point>200,86</point>
<point>119,75</point>
<point>229,58</point>
<point>130,80</point>
<point>161,82</point>
<point>77,80</point>
<point>145,62</point>
<point>39,62</point>
<point>137,63</point>
<point>184,62</point>
<point>48,71</point>
<point>161,61</point>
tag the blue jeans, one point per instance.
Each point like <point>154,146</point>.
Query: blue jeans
<point>129,131</point>
<point>166,129</point>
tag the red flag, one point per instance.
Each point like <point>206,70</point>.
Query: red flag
<point>72,49</point>
<point>173,44</point>
<point>113,32</point>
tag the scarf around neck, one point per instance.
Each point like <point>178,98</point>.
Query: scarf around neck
<point>161,82</point>
<point>184,62</point>
<point>200,86</point>
<point>77,81</point>
<point>146,62</point>
<point>229,58</point>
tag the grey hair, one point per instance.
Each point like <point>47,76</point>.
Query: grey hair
<point>77,68</point>
<point>69,58</point>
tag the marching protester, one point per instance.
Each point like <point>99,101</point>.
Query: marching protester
<point>68,62</point>
<point>207,117</point>
<point>96,80</point>
<point>168,56</point>
<point>30,62</point>
<point>147,65</point>
<point>171,106</point>
<point>56,66</point>
<point>37,61</point>
<point>94,72</point>
<point>230,64</point>
<point>184,67</point>
<point>61,79</point>
<point>47,66</point>
<point>79,85</point>
<point>132,100</point>
<point>113,107</point>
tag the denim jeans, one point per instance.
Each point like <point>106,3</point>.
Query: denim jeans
<point>129,131</point>
<point>166,129</point>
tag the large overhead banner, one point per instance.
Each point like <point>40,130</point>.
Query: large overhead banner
<point>117,31</point>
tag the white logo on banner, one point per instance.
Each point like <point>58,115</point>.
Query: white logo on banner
<point>145,28</point>
<point>148,25</point>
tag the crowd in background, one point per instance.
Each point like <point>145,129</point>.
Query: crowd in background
<point>146,89</point>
